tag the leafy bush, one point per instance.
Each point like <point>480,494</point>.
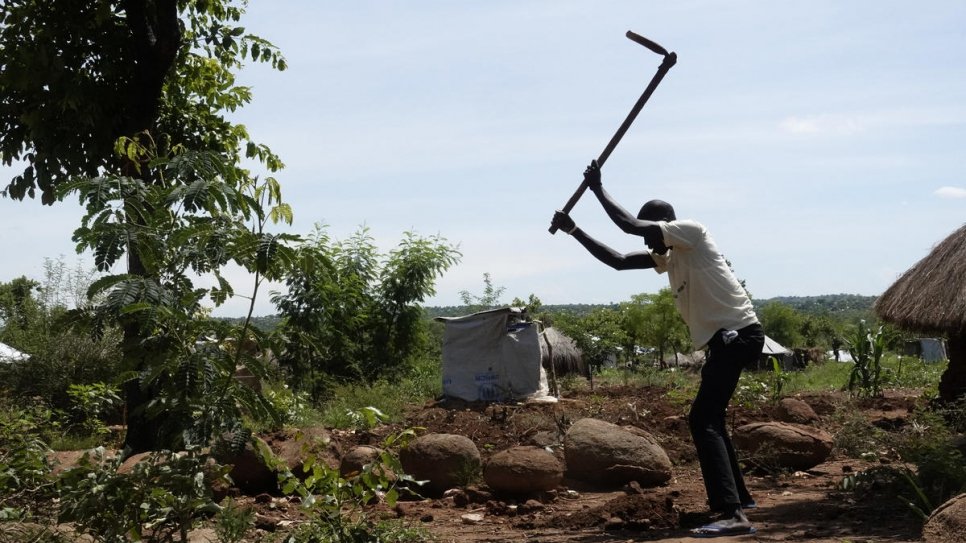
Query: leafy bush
<point>160,498</point>
<point>351,314</point>
<point>752,390</point>
<point>24,468</point>
<point>940,473</point>
<point>91,403</point>
<point>232,522</point>
<point>294,407</point>
<point>857,437</point>
<point>929,471</point>
<point>336,502</point>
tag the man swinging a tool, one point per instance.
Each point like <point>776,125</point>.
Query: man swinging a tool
<point>719,316</point>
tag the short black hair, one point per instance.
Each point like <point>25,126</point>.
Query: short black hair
<point>656,210</point>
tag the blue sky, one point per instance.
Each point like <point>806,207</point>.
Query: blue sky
<point>820,142</point>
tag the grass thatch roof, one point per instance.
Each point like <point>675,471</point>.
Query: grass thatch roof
<point>931,296</point>
<point>567,358</point>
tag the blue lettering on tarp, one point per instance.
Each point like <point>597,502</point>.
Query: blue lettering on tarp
<point>489,392</point>
<point>488,386</point>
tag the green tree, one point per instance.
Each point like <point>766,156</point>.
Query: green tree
<point>121,101</point>
<point>599,335</point>
<point>201,214</point>
<point>78,75</point>
<point>534,310</point>
<point>652,320</point>
<point>34,318</point>
<point>20,312</point>
<point>490,299</point>
<point>782,323</point>
<point>351,314</point>
<point>818,331</point>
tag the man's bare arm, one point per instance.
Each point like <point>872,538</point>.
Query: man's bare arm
<point>619,261</point>
<point>624,219</point>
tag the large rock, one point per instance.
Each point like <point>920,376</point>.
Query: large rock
<point>61,461</point>
<point>292,447</point>
<point>947,524</point>
<point>523,470</point>
<point>795,411</point>
<point>784,445</point>
<point>127,467</point>
<point>252,469</point>
<point>443,460</point>
<point>357,459</point>
<point>598,451</point>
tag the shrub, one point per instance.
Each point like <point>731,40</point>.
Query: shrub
<point>161,497</point>
<point>351,314</point>
<point>24,467</point>
<point>232,522</point>
<point>336,502</point>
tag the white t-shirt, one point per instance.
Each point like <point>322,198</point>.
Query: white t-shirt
<point>705,290</point>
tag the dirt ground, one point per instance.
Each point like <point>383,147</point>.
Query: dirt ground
<point>800,506</point>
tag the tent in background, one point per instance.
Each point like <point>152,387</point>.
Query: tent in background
<point>493,356</point>
<point>8,354</point>
<point>785,357</point>
<point>929,349</point>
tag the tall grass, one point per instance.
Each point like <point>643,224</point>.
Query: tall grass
<point>423,382</point>
<point>897,372</point>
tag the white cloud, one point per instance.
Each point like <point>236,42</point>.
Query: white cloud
<point>822,124</point>
<point>950,192</point>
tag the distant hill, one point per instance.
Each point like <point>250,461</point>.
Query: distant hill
<point>829,304</point>
<point>840,305</point>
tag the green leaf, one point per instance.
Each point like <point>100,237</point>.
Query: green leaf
<point>105,283</point>
<point>135,308</point>
<point>281,212</point>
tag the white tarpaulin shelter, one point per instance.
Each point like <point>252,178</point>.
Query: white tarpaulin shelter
<point>772,348</point>
<point>8,354</point>
<point>493,356</point>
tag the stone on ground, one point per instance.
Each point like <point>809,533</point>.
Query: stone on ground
<point>602,452</point>
<point>947,524</point>
<point>443,460</point>
<point>523,470</point>
<point>784,445</point>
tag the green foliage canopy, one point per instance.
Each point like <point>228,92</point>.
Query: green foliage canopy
<point>653,320</point>
<point>352,314</point>
<point>77,75</point>
<point>599,335</point>
<point>782,323</point>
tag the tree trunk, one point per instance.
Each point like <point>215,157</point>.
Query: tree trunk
<point>156,40</point>
<point>952,385</point>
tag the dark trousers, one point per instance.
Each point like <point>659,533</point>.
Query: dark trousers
<point>719,378</point>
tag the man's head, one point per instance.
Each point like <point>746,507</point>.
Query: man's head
<point>656,210</point>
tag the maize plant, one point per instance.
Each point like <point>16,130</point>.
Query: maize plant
<point>866,348</point>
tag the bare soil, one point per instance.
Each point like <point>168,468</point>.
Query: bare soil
<point>800,506</point>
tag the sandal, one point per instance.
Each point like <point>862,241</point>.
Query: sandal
<point>725,527</point>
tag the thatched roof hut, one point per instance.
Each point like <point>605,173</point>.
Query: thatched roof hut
<point>931,297</point>
<point>567,358</point>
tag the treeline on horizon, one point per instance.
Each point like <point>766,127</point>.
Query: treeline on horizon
<point>844,306</point>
